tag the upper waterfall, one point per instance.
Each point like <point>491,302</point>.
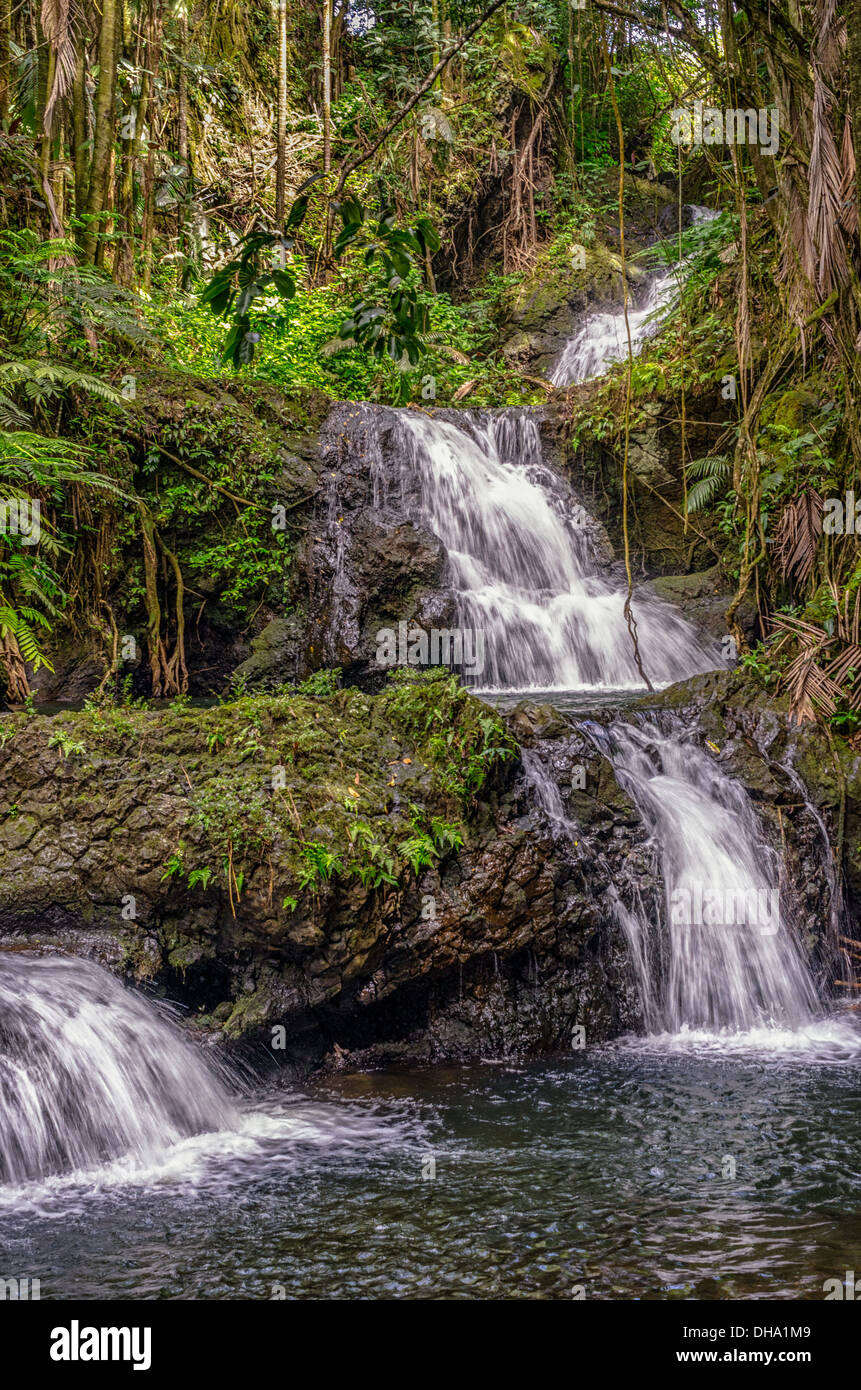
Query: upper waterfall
<point>523,562</point>
<point>89,1072</point>
<point>602,338</point>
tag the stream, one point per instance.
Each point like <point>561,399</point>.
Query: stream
<point>711,1158</point>
<point>603,1172</point>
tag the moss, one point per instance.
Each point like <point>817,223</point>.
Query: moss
<point>789,409</point>
<point>251,1013</point>
<point>281,795</point>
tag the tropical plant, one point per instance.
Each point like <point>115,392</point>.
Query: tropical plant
<point>711,476</point>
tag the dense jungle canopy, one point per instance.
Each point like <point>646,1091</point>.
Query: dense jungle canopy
<point>356,199</point>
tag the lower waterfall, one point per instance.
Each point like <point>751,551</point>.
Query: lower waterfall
<point>89,1072</point>
<point>732,960</point>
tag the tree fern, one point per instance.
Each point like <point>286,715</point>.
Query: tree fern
<point>42,381</point>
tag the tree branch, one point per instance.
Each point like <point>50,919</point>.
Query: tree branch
<point>348,169</point>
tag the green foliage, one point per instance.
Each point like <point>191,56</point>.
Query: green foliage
<point>419,851</point>
<point>173,866</point>
<point>711,476</point>
<point>49,302</point>
<point>387,319</point>
<point>68,746</point>
<point>38,467</point>
<point>323,682</point>
<point>319,864</point>
<point>428,843</point>
<point>463,741</point>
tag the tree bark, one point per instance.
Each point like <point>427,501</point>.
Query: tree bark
<point>79,131</point>
<point>327,85</point>
<point>103,137</point>
<point>281,145</point>
<point>182,147</point>
<point>5,58</point>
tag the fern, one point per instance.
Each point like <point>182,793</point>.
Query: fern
<point>712,475</point>
<point>42,381</point>
<point>14,624</point>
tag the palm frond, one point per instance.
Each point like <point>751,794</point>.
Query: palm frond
<point>797,536</point>
<point>57,27</point>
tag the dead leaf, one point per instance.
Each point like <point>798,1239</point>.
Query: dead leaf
<point>465,389</point>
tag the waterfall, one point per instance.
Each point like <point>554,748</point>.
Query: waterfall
<point>734,962</point>
<point>524,559</point>
<point>90,1072</point>
<point>602,338</point>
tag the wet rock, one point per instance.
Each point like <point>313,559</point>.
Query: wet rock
<point>704,599</point>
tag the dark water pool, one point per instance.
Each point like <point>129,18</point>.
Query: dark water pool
<point>607,1173</point>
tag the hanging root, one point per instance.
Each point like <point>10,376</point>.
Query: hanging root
<point>109,633</point>
<point>169,673</point>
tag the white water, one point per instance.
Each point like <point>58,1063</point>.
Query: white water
<point>602,339</point>
<point>97,1088</point>
<point>522,561</point>
<point>734,963</point>
<point>101,1092</point>
<point>89,1072</point>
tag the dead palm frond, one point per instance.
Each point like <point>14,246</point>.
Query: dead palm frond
<point>797,536</point>
<point>824,673</point>
<point>58,27</point>
<point>827,172</point>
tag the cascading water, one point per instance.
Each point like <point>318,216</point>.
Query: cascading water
<point>90,1072</point>
<point>733,959</point>
<point>602,339</point>
<point>523,562</point>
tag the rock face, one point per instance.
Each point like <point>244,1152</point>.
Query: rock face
<point>156,842</point>
<point>363,563</point>
<point>339,869</point>
<point>569,281</point>
<point>703,598</point>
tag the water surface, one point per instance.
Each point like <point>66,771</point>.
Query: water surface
<point>604,1172</point>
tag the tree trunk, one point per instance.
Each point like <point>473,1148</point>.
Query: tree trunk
<point>446,74</point>
<point>5,58</point>
<point>148,215</point>
<point>79,131</point>
<point>103,138</point>
<point>281,149</point>
<point>182,146</point>
<point>327,85</point>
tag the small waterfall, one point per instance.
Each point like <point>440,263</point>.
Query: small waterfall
<point>602,338</point>
<point>546,791</point>
<point>733,960</point>
<point>90,1072</point>
<point>523,559</point>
